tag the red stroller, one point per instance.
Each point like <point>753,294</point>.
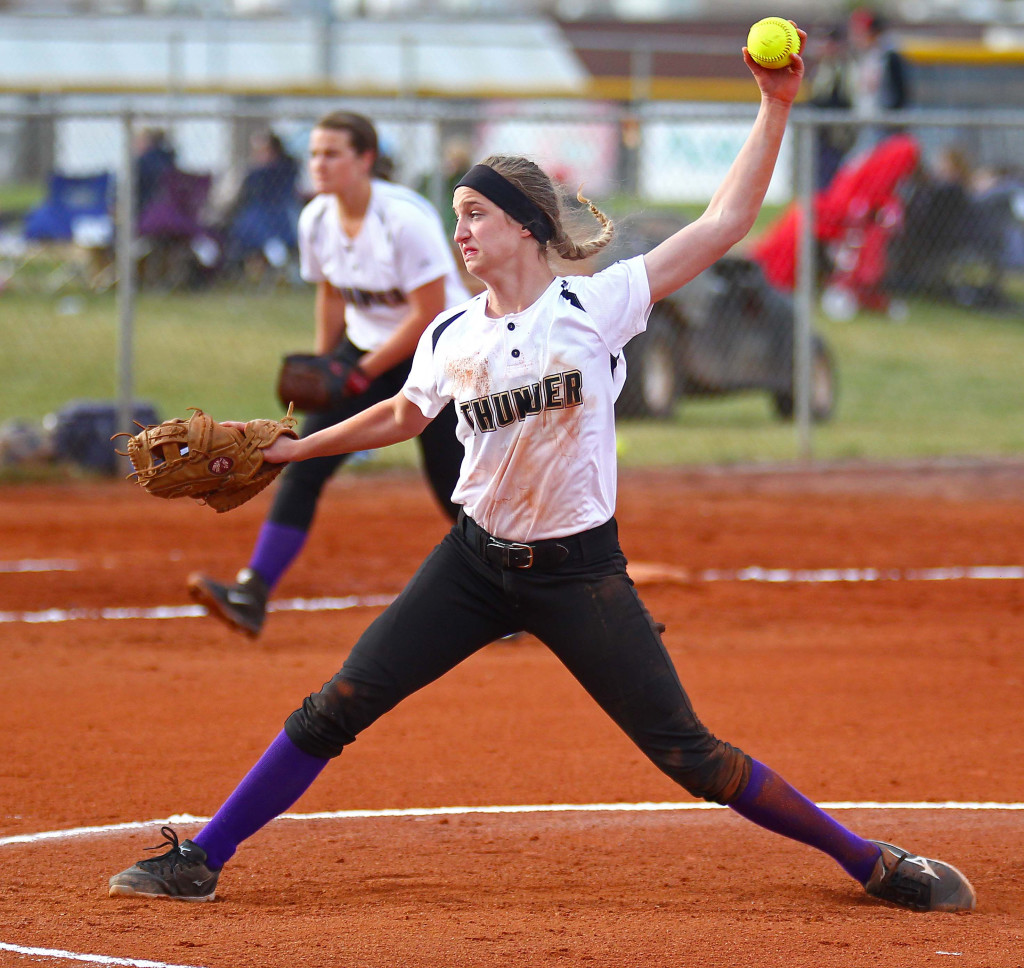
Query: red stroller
<point>855,217</point>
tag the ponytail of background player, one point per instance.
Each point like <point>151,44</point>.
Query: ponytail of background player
<point>534,365</point>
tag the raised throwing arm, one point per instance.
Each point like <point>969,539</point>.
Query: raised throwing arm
<point>735,205</point>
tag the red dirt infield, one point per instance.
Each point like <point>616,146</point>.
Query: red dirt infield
<point>893,689</point>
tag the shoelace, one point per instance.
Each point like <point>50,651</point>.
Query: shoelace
<point>890,872</point>
<point>907,886</point>
<point>170,838</point>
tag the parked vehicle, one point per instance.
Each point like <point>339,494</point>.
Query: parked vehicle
<point>727,331</point>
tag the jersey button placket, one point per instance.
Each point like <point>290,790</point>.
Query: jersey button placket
<point>514,352</point>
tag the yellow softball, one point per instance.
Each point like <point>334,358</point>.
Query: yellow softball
<point>771,42</point>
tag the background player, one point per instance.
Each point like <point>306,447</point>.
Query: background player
<point>383,269</point>
<point>534,366</point>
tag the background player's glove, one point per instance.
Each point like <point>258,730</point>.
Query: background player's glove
<point>314,383</point>
<point>205,460</point>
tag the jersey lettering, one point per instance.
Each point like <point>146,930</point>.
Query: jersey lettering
<point>527,400</point>
<point>364,298</point>
<point>572,383</point>
<point>555,392</point>
<point>504,409</point>
<point>484,415</point>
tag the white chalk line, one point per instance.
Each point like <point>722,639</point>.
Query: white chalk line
<point>649,807</point>
<point>162,612</point>
<point>754,573</point>
<point>93,959</point>
<point>646,807</point>
<point>38,564</point>
<point>815,576</point>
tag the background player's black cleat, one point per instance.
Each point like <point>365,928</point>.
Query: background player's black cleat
<point>242,606</point>
<point>919,883</point>
<point>180,873</point>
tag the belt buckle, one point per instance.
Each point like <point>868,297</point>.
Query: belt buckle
<point>521,547</point>
<point>507,547</point>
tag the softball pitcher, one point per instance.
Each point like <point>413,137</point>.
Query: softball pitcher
<point>534,365</point>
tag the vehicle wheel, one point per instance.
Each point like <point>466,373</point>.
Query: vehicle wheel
<point>823,388</point>
<point>652,381</point>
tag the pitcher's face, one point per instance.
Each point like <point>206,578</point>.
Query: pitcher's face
<point>485,235</point>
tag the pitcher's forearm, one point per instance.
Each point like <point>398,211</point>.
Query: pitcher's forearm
<point>745,185</point>
<point>385,423</point>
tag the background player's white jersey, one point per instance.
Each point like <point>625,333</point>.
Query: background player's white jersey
<point>400,247</point>
<point>535,394</point>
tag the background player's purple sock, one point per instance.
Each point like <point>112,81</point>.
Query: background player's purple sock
<point>276,548</point>
<point>770,802</point>
<point>281,775</point>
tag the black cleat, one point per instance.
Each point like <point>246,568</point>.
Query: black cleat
<point>919,883</point>
<point>181,873</point>
<point>242,606</point>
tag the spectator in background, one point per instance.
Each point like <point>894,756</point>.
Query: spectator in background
<point>938,221</point>
<point>832,88</point>
<point>998,192</point>
<point>880,77</point>
<point>262,220</point>
<point>153,156</point>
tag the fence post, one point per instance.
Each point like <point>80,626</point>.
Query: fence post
<point>436,177</point>
<point>804,295</point>
<point>641,71</point>
<point>124,256</point>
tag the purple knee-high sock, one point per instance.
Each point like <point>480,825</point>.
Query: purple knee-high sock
<point>277,546</point>
<point>281,775</point>
<point>770,802</point>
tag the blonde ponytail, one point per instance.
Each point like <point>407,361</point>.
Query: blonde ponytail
<point>535,184</point>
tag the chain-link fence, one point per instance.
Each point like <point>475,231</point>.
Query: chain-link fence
<point>148,254</point>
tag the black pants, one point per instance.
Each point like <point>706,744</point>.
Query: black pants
<point>301,484</point>
<point>585,610</point>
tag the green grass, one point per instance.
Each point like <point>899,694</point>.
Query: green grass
<point>216,350</point>
<point>19,198</point>
<point>945,382</point>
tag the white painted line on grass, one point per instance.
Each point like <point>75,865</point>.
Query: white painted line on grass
<point>92,959</point>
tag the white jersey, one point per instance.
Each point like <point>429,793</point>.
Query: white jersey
<point>400,247</point>
<point>535,394</point>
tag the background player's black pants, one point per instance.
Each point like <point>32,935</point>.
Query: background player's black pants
<point>585,610</point>
<point>301,483</point>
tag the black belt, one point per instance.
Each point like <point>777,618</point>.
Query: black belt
<point>542,555</point>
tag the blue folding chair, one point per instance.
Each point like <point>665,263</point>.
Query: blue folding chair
<point>71,203</point>
<point>72,228</point>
